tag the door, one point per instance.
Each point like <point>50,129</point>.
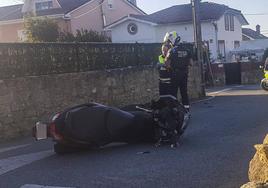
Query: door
<point>221,49</point>
<point>232,73</point>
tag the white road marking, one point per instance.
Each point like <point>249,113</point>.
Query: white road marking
<point>212,95</point>
<point>41,186</point>
<point>13,148</point>
<point>239,86</point>
<point>221,91</point>
<point>12,163</point>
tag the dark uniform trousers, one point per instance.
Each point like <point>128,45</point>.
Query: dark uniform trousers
<point>179,80</point>
<point>165,87</point>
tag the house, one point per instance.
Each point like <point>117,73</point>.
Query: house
<point>250,34</point>
<point>221,26</point>
<point>250,50</point>
<point>252,47</point>
<point>71,15</point>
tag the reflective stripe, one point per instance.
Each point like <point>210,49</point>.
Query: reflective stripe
<point>162,82</point>
<point>186,106</point>
<point>168,96</point>
<point>163,68</point>
<point>165,82</point>
<point>164,79</point>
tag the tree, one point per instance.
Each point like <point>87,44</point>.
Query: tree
<point>84,35</point>
<point>41,30</point>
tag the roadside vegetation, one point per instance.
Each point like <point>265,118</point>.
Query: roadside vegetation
<point>47,30</point>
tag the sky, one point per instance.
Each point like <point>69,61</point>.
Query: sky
<point>246,6</point>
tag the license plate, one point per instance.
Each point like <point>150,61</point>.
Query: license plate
<point>41,131</point>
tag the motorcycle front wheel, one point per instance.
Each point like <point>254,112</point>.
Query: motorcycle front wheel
<point>264,84</point>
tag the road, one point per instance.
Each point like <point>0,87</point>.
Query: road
<point>215,152</point>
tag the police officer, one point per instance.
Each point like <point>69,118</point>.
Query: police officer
<point>179,59</point>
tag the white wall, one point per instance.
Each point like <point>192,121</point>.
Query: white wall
<point>148,33</point>
<point>145,34</point>
<point>229,36</point>
<point>186,32</point>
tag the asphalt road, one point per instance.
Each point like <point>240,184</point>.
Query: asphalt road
<point>215,152</point>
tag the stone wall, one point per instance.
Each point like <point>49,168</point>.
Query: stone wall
<point>218,74</point>
<point>251,73</point>
<point>29,94</point>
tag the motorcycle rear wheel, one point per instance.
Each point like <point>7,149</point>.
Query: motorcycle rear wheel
<point>264,84</point>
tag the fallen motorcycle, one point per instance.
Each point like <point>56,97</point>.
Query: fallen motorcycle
<point>95,125</point>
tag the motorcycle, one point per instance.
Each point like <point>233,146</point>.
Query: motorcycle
<point>264,82</point>
<point>94,125</point>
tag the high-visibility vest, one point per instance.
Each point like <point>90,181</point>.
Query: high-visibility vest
<point>266,74</point>
<point>164,74</point>
<point>161,59</point>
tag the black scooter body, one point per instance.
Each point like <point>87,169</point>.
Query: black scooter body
<point>99,125</point>
<point>94,125</point>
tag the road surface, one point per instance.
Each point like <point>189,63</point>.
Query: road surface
<point>215,152</point>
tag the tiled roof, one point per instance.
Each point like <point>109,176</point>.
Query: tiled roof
<point>69,5</point>
<point>253,34</point>
<point>14,12</point>
<point>183,13</point>
<point>10,12</point>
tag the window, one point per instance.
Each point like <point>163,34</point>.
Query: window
<point>226,20</point>
<point>231,22</point>
<point>44,5</point>
<point>110,4</point>
<point>236,44</point>
<point>132,28</point>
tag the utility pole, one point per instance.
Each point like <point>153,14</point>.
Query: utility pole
<point>198,37</point>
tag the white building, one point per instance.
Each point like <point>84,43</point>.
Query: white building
<point>250,50</point>
<point>221,27</point>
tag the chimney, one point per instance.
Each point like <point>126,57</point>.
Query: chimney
<point>258,29</point>
<point>134,2</point>
<point>28,7</point>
